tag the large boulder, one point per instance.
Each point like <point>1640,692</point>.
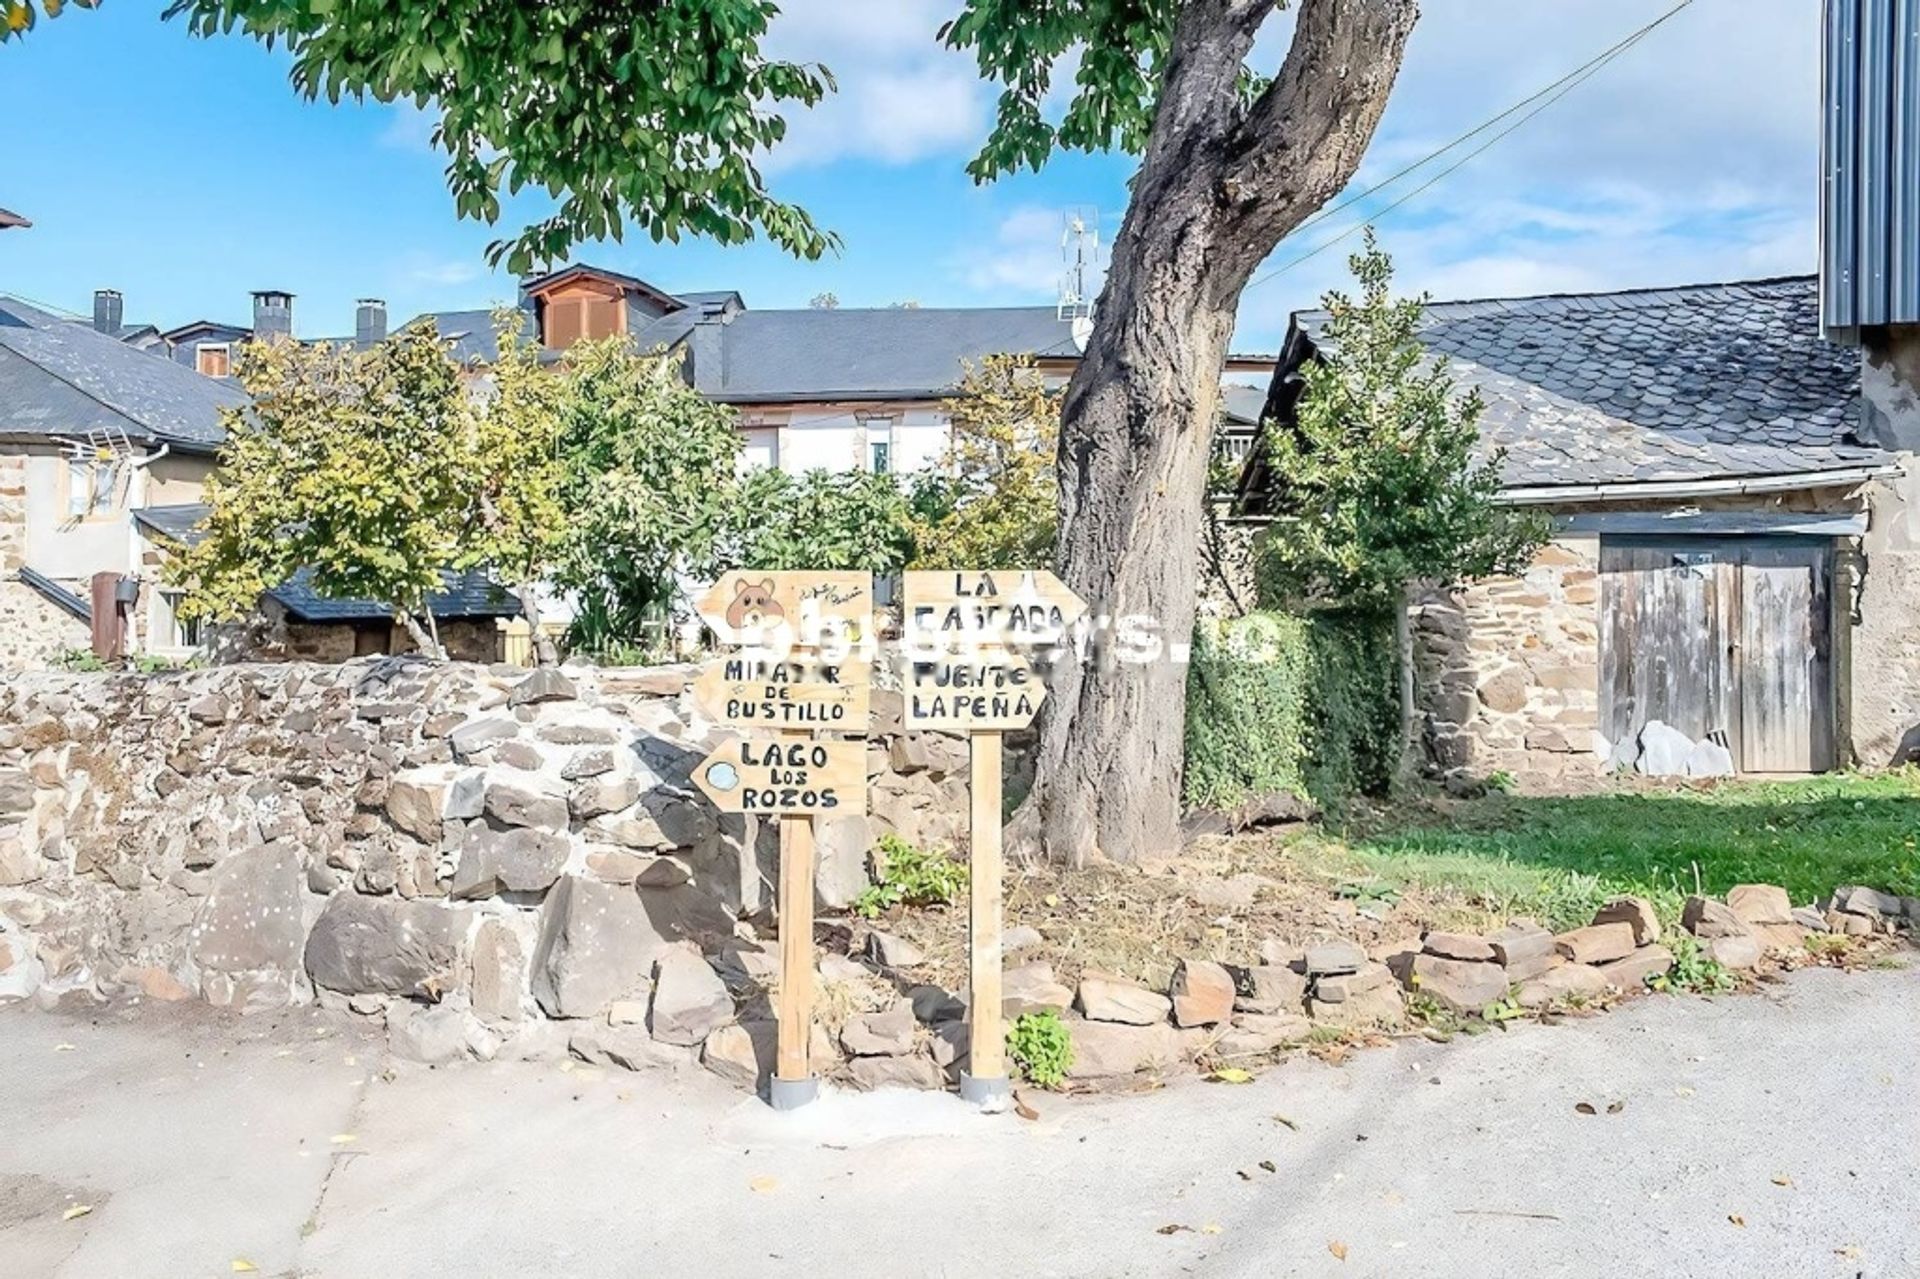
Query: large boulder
<point>251,920</point>
<point>367,945</point>
<point>513,859</point>
<point>596,944</point>
<point>689,999</point>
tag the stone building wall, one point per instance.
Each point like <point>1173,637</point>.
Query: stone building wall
<point>492,860</point>
<point>32,631</point>
<point>1507,670</point>
<point>1884,725</point>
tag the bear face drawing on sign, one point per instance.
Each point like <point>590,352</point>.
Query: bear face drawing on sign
<point>753,605</point>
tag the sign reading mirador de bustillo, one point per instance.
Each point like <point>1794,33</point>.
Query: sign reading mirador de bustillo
<point>798,691</point>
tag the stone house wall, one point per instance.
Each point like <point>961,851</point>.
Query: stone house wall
<point>1507,670</point>
<point>486,857</point>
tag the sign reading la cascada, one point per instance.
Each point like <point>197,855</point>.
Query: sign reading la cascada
<point>1006,607</point>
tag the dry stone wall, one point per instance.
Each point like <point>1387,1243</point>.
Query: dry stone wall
<point>492,859</point>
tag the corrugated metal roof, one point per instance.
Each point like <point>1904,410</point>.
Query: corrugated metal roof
<point>1870,164</point>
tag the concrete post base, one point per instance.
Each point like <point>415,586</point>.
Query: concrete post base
<point>791,1094</point>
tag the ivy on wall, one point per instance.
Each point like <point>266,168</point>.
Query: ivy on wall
<point>1278,703</point>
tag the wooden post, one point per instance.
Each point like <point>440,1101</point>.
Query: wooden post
<point>986,1075</point>
<point>794,1083</point>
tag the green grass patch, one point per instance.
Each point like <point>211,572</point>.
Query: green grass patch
<point>1559,858</point>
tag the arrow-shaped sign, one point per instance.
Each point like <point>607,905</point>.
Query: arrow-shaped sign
<point>760,692</point>
<point>993,692</point>
<point>793,775</point>
<point>780,610</point>
<point>989,606</point>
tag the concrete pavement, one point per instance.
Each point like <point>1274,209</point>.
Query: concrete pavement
<point>199,1140</point>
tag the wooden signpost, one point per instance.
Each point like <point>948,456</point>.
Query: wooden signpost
<point>800,678</point>
<point>982,690</point>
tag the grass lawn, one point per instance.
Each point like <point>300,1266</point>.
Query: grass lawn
<point>1560,858</point>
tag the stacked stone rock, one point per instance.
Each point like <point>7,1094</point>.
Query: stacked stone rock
<point>1467,975</point>
<point>496,861</point>
<point>1756,918</point>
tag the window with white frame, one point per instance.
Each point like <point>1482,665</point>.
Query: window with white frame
<point>92,486</point>
<point>879,446</point>
<point>172,631</point>
<point>215,359</point>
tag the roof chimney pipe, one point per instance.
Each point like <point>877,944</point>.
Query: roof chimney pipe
<point>272,314</point>
<point>108,309</point>
<point>369,322</point>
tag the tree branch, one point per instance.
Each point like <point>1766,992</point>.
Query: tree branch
<point>1304,137</point>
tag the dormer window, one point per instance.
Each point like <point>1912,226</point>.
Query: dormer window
<point>583,317</point>
<point>214,359</point>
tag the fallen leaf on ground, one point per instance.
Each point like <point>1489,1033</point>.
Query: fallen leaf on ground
<point>241,1266</point>
<point>344,1138</point>
<point>1231,1075</point>
<point>1173,1228</point>
<point>1243,1174</point>
<point>1283,1120</point>
<point>1338,1249</point>
<point>1850,1252</point>
<point>1616,1107</point>
<point>1737,1219</point>
<point>78,1210</point>
<point>63,1048</point>
<point>1211,1228</point>
<point>1783,1180</point>
<point>1022,1109</point>
<point>1586,1108</point>
<point>1268,1165</point>
<point>762,1184</point>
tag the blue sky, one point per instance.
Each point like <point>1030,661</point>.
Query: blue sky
<point>185,172</point>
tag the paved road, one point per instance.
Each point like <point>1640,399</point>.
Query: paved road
<point>198,1140</point>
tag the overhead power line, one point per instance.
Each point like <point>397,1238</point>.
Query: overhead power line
<point>1538,101</point>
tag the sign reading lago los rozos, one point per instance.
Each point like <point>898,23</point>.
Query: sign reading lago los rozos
<point>1010,607</point>
<point>992,693</point>
<point>796,775</point>
<point>762,692</point>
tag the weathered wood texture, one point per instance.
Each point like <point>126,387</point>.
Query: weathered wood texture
<point>986,1052</point>
<point>1727,636</point>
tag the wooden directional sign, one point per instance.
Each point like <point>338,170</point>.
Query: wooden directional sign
<point>992,692</point>
<point>749,607</point>
<point>1006,607</point>
<point>761,692</point>
<point>785,776</point>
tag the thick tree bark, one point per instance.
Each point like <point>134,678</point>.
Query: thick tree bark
<point>1219,185</point>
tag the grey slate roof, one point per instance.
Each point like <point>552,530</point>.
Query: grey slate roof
<point>60,377</point>
<point>463,595</point>
<point>1242,404</point>
<point>843,354</point>
<point>470,333</point>
<point>1696,382</point>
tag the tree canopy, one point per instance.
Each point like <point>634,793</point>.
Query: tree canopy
<point>1376,481</point>
<point>991,501</point>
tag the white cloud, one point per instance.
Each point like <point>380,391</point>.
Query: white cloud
<point>900,98</point>
<point>410,129</point>
<point>428,272</point>
<point>1026,256</point>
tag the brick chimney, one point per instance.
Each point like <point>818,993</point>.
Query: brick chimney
<point>369,322</point>
<point>108,308</point>
<point>272,314</point>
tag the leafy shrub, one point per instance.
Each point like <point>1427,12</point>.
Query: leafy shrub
<point>1042,1047</point>
<point>909,876</point>
<point>81,660</point>
<point>1292,705</point>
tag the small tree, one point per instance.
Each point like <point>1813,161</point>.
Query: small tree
<point>649,486</point>
<point>353,465</point>
<point>993,501</point>
<point>821,520</point>
<point>1376,483</point>
<point>519,527</point>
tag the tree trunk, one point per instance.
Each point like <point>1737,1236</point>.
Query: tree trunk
<point>544,651</point>
<point>428,644</point>
<point>1218,186</point>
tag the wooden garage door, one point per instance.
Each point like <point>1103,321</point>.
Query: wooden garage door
<point>1721,637</point>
